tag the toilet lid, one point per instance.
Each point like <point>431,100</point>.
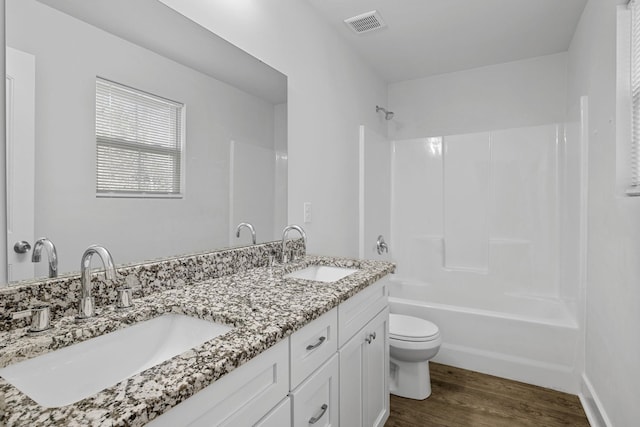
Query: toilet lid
<point>409,328</point>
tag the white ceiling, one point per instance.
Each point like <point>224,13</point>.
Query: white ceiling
<point>427,37</point>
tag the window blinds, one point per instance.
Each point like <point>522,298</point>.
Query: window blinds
<point>634,189</point>
<point>139,142</point>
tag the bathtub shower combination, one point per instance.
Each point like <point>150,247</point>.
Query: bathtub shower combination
<point>477,233</point>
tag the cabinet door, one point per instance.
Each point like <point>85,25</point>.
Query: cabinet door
<point>376,371</point>
<point>352,375</point>
<point>364,375</point>
<point>315,401</point>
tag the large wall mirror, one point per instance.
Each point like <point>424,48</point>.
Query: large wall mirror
<point>234,167</point>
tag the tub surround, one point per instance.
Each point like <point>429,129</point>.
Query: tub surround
<point>263,306</point>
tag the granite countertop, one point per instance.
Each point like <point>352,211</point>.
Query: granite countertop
<point>260,303</point>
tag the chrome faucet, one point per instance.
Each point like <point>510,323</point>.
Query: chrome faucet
<point>51,253</point>
<point>251,229</point>
<point>86,307</point>
<point>286,230</point>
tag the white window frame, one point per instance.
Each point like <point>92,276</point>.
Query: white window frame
<point>180,146</point>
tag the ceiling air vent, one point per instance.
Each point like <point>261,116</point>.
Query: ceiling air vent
<point>366,22</point>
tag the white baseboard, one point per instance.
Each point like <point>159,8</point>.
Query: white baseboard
<point>553,376</point>
<point>592,405</point>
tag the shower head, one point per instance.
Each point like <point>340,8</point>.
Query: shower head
<point>388,115</point>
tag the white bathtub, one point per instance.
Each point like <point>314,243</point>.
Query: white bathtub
<point>534,340</point>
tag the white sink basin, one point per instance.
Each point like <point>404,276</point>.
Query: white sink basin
<point>322,273</point>
<point>73,373</point>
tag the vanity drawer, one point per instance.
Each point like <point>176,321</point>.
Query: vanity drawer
<point>355,312</point>
<point>316,401</point>
<point>312,345</point>
<point>242,397</point>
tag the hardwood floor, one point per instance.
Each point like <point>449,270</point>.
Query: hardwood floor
<point>463,398</point>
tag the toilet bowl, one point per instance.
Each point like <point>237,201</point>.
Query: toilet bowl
<point>412,342</point>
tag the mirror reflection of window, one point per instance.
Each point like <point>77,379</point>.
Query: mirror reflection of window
<point>139,143</point>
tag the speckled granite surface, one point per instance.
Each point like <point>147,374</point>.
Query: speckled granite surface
<point>263,306</point>
<point>145,278</point>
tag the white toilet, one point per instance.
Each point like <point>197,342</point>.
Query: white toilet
<point>412,342</point>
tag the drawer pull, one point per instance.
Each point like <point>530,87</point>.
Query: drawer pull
<point>323,409</point>
<point>316,345</point>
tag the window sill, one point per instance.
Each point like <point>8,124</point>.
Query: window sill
<point>140,196</point>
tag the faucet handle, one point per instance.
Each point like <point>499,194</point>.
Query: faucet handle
<point>124,297</point>
<point>40,319</point>
<point>381,245</point>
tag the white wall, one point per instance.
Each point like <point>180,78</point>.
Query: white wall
<point>522,93</point>
<point>613,276</point>
<point>330,93</point>
<point>69,56</point>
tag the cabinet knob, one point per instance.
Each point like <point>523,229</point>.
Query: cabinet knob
<point>370,338</point>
